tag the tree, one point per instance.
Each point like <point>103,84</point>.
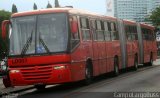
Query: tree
<point>155,17</point>
<point>49,5</point>
<point>14,9</point>
<point>56,3</point>
<point>4,15</point>
<point>35,6</point>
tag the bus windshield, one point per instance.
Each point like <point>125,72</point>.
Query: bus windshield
<point>39,34</point>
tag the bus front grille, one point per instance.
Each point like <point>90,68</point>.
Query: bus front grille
<point>36,72</point>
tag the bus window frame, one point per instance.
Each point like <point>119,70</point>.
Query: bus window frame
<point>87,28</point>
<point>93,28</point>
<point>99,30</point>
<point>107,33</point>
<point>132,31</point>
<point>114,31</point>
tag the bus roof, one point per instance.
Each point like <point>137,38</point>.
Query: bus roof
<point>129,22</point>
<point>74,11</point>
<point>68,10</point>
<point>147,26</point>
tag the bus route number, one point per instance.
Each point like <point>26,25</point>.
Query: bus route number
<point>19,61</point>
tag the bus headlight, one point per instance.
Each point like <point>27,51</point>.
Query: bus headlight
<point>3,66</point>
<point>14,71</point>
<point>59,67</point>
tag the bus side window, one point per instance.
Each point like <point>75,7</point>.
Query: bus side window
<point>128,30</point>
<point>145,34</point>
<point>85,29</point>
<point>148,34</point>
<point>151,36</point>
<point>75,39</point>
<point>94,30</point>
<point>114,33</point>
<point>135,33</point>
<point>99,30</point>
<point>107,33</point>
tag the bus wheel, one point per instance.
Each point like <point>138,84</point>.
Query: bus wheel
<point>150,63</point>
<point>116,68</point>
<point>6,81</point>
<point>40,86</point>
<point>135,63</point>
<point>88,74</point>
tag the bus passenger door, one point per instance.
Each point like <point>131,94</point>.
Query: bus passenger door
<point>145,51</point>
<point>95,62</point>
<point>150,45</point>
<point>86,38</point>
<point>101,47</point>
<point>145,45</point>
<point>108,44</point>
<point>130,55</point>
<point>130,44</point>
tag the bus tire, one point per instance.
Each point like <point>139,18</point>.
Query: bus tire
<point>40,86</point>
<point>6,81</point>
<point>150,63</point>
<point>88,73</point>
<point>116,68</point>
<point>135,67</point>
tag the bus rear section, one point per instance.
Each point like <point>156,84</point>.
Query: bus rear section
<point>147,44</point>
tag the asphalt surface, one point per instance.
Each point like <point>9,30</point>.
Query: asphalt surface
<point>144,81</point>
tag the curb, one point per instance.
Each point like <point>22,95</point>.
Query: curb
<point>16,90</point>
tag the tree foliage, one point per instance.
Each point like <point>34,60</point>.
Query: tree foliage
<point>14,8</point>
<point>155,17</point>
<point>35,6</point>
<point>49,5</point>
<point>56,3</point>
<point>4,15</point>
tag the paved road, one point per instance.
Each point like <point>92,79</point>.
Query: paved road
<point>146,79</point>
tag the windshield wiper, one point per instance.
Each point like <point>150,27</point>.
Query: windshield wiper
<point>43,43</point>
<point>29,40</point>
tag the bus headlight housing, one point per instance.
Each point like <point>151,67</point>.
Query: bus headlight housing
<point>4,66</point>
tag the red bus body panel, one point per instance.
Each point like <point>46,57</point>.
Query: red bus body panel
<point>40,69</point>
<point>149,46</point>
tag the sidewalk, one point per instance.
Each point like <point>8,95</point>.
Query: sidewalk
<point>1,84</point>
<point>157,62</point>
<point>9,90</point>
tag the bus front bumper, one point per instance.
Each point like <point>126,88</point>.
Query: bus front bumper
<point>50,74</point>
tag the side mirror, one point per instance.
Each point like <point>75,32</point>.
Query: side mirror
<point>74,26</point>
<point>4,28</point>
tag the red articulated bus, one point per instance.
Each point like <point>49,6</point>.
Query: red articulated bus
<point>60,45</point>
